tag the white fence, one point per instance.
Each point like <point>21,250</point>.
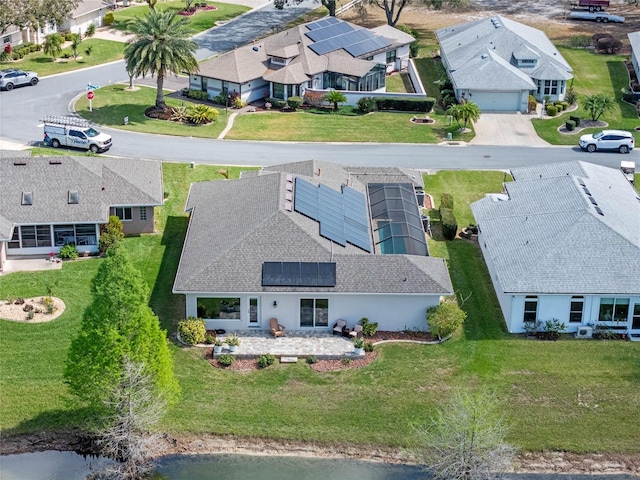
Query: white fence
<point>415,78</point>
<point>354,96</point>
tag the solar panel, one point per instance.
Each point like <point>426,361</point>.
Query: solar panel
<point>320,34</point>
<point>298,274</point>
<point>306,199</point>
<point>332,215</point>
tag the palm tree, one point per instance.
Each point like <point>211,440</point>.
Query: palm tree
<point>75,43</point>
<point>464,112</point>
<point>335,97</point>
<point>53,45</point>
<point>161,46</point>
<point>598,104</point>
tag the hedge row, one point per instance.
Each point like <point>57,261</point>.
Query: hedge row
<point>446,201</point>
<point>449,223</point>
<point>405,104</point>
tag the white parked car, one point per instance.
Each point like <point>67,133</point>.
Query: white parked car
<point>619,140</point>
<point>10,78</point>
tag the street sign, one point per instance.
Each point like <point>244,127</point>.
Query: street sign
<point>92,87</point>
<point>90,94</point>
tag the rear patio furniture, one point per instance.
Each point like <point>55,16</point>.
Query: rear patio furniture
<point>339,327</point>
<point>356,332</point>
<point>277,330</point>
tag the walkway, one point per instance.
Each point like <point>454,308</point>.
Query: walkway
<point>29,264</point>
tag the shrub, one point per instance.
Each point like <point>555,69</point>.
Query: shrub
<point>446,201</point>
<point>311,359</point>
<point>369,329</point>
<point>68,252</point>
<point>575,119</point>
<point>91,31</point>
<point>608,45</point>
<point>179,114</point>
<point>551,330</point>
<point>368,347</point>
<point>558,105</point>
<point>414,48</point>
<point>445,318</point>
<point>5,56</point>
<point>277,103</point>
<point>449,223</point>
<point>192,330</point>
<point>232,340</point>
<point>552,110</point>
<point>346,361</point>
<point>49,306</point>
<point>209,339</point>
<point>405,104</point>
<point>570,125</point>
<point>237,102</point>
<point>367,105</point>
<point>580,41</point>
<point>358,342</point>
<point>89,50</point>
<point>294,102</point>
<point>202,95</point>
<point>226,360</point>
<point>315,99</point>
<point>108,19</point>
<point>266,360</point>
<point>571,96</point>
<point>110,234</point>
<point>532,103</point>
<point>565,105</point>
<point>68,36</point>
<point>200,114</point>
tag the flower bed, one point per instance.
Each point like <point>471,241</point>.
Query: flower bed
<point>193,10</point>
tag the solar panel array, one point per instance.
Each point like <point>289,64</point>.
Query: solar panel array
<point>330,35</point>
<point>298,274</point>
<point>342,215</point>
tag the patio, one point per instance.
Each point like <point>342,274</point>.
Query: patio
<point>29,263</point>
<point>323,345</point>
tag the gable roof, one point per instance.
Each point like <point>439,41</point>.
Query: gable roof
<point>463,44</point>
<point>101,183</point>
<point>491,72</point>
<point>88,6</point>
<point>250,225</point>
<point>548,236</point>
<point>252,61</point>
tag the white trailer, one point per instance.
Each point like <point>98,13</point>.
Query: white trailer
<point>603,17</point>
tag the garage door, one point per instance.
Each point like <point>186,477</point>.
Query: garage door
<point>497,101</point>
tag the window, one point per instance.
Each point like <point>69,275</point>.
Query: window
<point>613,310</point>
<point>74,197</point>
<point>86,235</point>
<point>6,39</point>
<point>577,307</point>
<point>43,235</point>
<point>314,312</point>
<point>278,90</point>
<point>391,56</point>
<point>531,309</point>
<point>123,213</point>
<point>635,319</point>
<point>547,87</point>
<point>554,87</point>
<point>219,308</point>
<point>27,198</point>
<point>143,213</point>
<point>28,234</point>
<point>15,239</point>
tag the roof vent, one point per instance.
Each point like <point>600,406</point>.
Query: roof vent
<point>74,197</point>
<point>484,55</point>
<point>599,211</point>
<point>287,206</point>
<point>27,198</point>
<point>593,201</point>
<point>255,49</point>
<point>19,162</point>
<point>55,161</point>
<point>581,182</point>
<point>586,190</point>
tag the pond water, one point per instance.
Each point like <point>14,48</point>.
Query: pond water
<point>53,465</point>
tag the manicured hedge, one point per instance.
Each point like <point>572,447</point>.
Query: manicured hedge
<point>575,119</point>
<point>552,110</point>
<point>276,103</point>
<point>570,124</point>
<point>294,102</point>
<point>405,104</point>
<point>449,223</point>
<point>446,201</point>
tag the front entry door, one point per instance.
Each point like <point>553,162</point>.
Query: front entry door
<point>254,312</point>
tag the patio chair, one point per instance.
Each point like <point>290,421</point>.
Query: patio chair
<point>356,332</point>
<point>339,326</point>
<point>277,330</point>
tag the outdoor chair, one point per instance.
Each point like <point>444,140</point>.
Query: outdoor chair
<point>356,332</point>
<point>339,326</point>
<point>277,330</point>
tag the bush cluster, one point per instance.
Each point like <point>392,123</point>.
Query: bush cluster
<point>446,201</point>
<point>266,360</point>
<point>369,329</point>
<point>226,360</point>
<point>532,103</point>
<point>110,234</point>
<point>68,252</point>
<point>570,125</point>
<point>367,105</point>
<point>192,330</point>
<point>449,223</point>
<point>311,359</point>
<point>552,110</point>
<point>277,103</point>
<point>575,119</point>
<point>315,99</point>
<point>109,19</point>
<point>199,95</point>
<point>445,318</point>
<point>405,104</point>
<point>294,102</point>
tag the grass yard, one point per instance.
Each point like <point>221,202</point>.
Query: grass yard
<point>102,51</point>
<point>594,73</point>
<point>549,404</point>
<point>201,21</point>
<point>114,102</point>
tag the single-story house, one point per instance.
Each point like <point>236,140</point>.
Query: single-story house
<point>563,242</point>
<point>46,203</point>
<point>11,36</point>
<point>88,12</point>
<point>497,63</point>
<point>328,53</point>
<point>634,40</point>
<point>309,243</point>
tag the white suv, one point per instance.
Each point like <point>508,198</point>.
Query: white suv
<point>607,140</point>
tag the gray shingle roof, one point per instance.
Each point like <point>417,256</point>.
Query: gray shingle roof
<point>549,238</point>
<point>100,182</point>
<point>463,44</point>
<point>236,225</point>
<point>488,71</point>
<point>88,6</point>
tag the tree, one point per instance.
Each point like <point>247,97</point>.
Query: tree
<point>136,410</point>
<point>161,46</point>
<point>35,13</point>
<point>466,440</point>
<point>444,319</point>
<point>464,112</point>
<point>328,4</point>
<point>53,45</point>
<point>111,234</point>
<point>393,8</point>
<point>335,97</point>
<point>76,40</point>
<point>118,325</point>
<point>598,104</point>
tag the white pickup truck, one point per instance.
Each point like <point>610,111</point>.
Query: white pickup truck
<point>68,132</point>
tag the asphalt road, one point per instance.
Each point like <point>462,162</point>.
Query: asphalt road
<point>22,109</point>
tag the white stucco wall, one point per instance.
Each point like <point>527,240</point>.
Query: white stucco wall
<point>392,312</point>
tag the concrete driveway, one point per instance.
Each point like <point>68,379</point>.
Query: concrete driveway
<point>507,129</point>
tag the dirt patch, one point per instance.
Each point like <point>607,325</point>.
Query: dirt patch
<point>19,312</point>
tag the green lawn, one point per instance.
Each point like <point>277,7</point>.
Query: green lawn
<point>114,102</point>
<point>549,404</point>
<point>103,51</point>
<point>201,21</point>
<point>594,73</point>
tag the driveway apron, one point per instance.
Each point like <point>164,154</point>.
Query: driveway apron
<point>512,129</point>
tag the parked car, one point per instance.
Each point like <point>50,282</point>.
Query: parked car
<point>607,140</point>
<point>10,78</point>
